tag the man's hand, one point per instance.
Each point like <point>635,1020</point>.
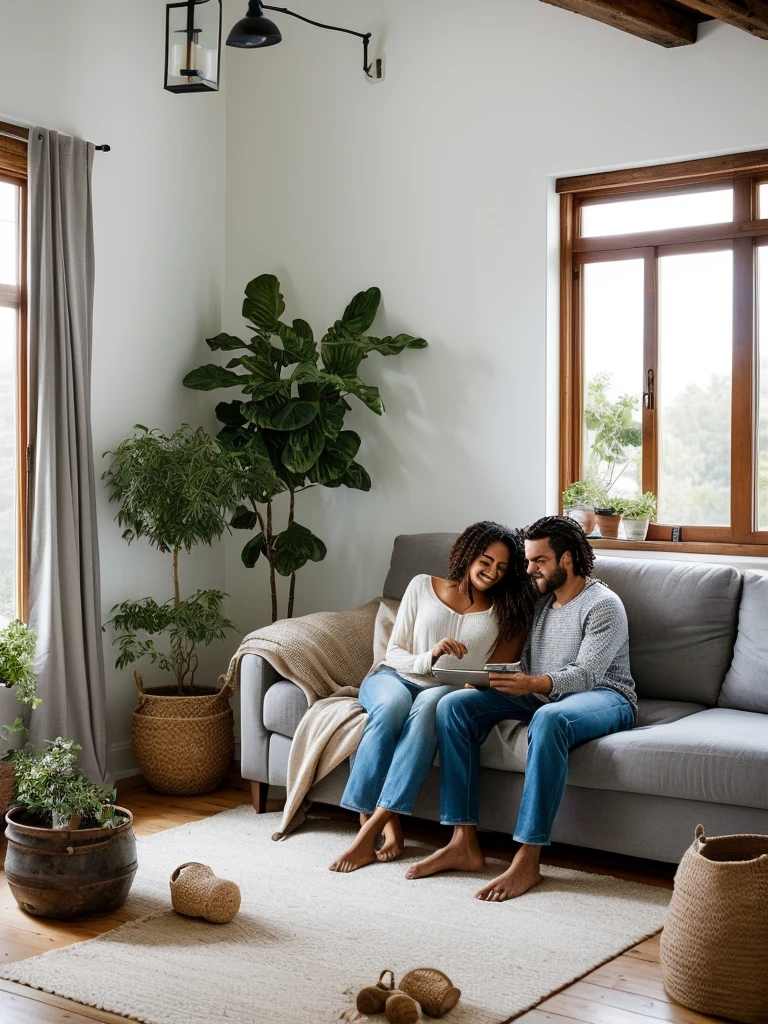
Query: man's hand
<point>448,646</point>
<point>515,684</point>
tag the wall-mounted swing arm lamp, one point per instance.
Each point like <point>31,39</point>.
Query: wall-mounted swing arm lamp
<point>255,31</point>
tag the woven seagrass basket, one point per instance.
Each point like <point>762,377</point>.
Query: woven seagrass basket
<point>183,744</point>
<point>715,938</point>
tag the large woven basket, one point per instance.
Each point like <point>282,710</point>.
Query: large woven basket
<point>183,744</point>
<point>714,947</point>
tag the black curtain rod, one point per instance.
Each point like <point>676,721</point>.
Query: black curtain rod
<point>25,138</point>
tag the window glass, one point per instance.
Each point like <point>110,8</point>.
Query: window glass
<point>657,213</point>
<point>693,393</point>
<point>613,374</point>
<point>762,205</point>
<point>8,448</point>
<point>762,435</point>
<point>9,273</point>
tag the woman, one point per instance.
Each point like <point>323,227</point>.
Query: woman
<point>480,613</point>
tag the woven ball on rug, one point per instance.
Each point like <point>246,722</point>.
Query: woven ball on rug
<point>714,947</point>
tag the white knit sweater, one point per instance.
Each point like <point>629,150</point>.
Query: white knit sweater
<point>423,620</point>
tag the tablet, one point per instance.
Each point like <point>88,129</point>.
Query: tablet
<point>462,676</point>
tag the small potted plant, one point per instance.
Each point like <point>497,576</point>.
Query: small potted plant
<point>175,491</point>
<point>637,514</point>
<point>58,812</point>
<point>17,679</point>
<point>607,514</point>
<point>579,503</point>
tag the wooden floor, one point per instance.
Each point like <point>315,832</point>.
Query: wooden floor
<point>628,990</point>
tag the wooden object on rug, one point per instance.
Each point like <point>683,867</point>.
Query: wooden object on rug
<point>628,990</point>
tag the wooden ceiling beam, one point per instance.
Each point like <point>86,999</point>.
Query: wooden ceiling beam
<point>749,15</point>
<point>653,20</point>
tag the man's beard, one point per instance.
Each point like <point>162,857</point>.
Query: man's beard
<point>555,581</point>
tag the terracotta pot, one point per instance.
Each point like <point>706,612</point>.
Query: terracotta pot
<point>584,515</point>
<point>608,525</point>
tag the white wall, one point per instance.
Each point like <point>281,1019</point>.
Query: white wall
<point>95,69</point>
<point>435,185</point>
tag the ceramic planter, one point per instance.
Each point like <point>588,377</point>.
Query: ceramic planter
<point>636,529</point>
<point>584,515</point>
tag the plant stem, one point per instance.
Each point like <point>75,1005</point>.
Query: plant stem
<point>292,587</point>
<point>176,598</point>
<point>270,559</point>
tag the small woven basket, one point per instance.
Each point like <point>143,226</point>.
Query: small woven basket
<point>713,947</point>
<point>433,989</point>
<point>197,892</point>
<point>183,744</point>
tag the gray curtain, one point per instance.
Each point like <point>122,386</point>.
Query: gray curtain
<point>65,600</point>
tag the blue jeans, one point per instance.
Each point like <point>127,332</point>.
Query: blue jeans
<point>465,718</point>
<point>398,746</point>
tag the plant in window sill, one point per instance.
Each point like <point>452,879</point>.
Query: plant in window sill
<point>579,502</point>
<point>17,657</point>
<point>637,514</point>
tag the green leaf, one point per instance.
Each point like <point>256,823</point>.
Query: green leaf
<point>295,547</point>
<point>295,414</point>
<point>264,304</point>
<point>355,477</point>
<point>341,356</point>
<point>244,519</point>
<point>367,393</point>
<point>298,342</point>
<point>361,312</point>
<point>336,457</point>
<point>303,448</point>
<point>225,343</point>
<point>252,550</point>
<point>230,413</point>
<point>212,376</point>
<point>331,417</point>
<point>392,346</point>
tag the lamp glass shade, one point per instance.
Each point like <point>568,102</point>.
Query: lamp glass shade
<point>193,46</point>
<point>254,31</point>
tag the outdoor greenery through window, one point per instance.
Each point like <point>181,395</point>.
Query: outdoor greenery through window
<point>665,343</point>
<point>12,439</point>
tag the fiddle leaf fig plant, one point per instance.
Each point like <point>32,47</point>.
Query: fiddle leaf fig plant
<point>287,426</point>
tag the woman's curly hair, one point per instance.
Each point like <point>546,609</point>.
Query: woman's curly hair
<point>514,594</point>
<point>564,534</point>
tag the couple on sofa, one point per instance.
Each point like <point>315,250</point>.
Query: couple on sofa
<point>575,685</point>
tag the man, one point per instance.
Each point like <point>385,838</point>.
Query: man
<point>575,685</point>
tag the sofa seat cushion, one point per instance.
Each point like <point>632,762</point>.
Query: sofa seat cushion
<point>507,745</point>
<point>284,707</point>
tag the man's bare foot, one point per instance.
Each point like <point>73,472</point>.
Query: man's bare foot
<point>521,875</point>
<point>360,853</point>
<point>462,853</point>
<point>394,844</point>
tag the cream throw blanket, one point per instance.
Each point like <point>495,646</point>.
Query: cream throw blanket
<point>327,655</point>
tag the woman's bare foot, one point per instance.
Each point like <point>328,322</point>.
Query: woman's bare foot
<point>363,850</point>
<point>394,844</point>
<point>462,853</point>
<point>521,875</point>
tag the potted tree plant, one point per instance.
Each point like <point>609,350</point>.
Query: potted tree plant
<point>579,503</point>
<point>176,492</point>
<point>58,813</point>
<point>287,423</point>
<point>17,657</point>
<point>637,514</point>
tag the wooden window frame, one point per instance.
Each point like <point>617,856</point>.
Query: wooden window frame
<point>744,172</point>
<point>13,169</point>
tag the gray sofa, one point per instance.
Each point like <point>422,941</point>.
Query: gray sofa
<point>699,650</point>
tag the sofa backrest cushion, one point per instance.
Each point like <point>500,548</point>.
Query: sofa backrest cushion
<point>682,624</point>
<point>746,684</point>
<point>416,553</point>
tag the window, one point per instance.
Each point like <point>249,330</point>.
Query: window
<point>13,439</point>
<point>664,353</point>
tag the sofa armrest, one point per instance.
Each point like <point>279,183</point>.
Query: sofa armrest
<point>256,676</point>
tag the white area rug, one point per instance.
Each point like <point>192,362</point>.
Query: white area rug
<point>307,939</point>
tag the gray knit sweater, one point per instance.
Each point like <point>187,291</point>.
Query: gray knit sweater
<point>582,646</point>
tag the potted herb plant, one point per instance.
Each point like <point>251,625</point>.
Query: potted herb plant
<point>287,423</point>
<point>579,503</point>
<point>17,680</point>
<point>637,514</point>
<point>608,517</point>
<point>58,812</point>
<point>176,492</point>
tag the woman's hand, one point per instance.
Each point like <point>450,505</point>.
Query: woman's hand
<point>448,646</point>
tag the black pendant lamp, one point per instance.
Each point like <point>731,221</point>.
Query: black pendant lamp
<point>255,31</point>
